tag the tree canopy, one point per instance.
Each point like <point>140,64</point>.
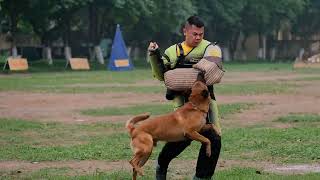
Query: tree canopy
<point>144,20</point>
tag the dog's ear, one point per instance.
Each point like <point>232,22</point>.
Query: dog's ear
<point>205,93</point>
<point>200,77</point>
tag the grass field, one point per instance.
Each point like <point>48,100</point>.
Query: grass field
<point>286,138</point>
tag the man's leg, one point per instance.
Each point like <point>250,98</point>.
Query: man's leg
<point>206,165</point>
<point>169,152</point>
<point>170,149</point>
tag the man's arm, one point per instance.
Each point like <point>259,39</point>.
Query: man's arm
<point>159,64</point>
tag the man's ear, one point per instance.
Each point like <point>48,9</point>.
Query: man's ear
<point>184,30</point>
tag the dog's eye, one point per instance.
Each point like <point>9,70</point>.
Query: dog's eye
<point>205,93</point>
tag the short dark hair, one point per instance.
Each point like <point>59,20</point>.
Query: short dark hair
<point>195,20</point>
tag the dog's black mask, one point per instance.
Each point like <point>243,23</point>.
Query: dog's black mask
<point>205,93</point>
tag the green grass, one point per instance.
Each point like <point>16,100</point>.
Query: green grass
<point>257,67</point>
<point>78,80</point>
<point>267,67</point>
<point>291,145</point>
<point>228,109</point>
<point>46,79</point>
<point>236,173</point>
<point>156,109</point>
<point>35,141</point>
<point>26,140</point>
<point>55,79</point>
<point>255,88</point>
<point>254,174</point>
<point>306,118</point>
<point>38,141</point>
<point>153,109</point>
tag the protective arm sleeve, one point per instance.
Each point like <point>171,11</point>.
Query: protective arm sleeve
<point>155,59</point>
<point>156,71</point>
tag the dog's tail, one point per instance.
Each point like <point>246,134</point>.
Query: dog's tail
<point>130,123</point>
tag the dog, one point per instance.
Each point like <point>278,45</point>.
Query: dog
<point>186,122</point>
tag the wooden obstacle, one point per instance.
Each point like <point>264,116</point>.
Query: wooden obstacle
<point>16,64</point>
<point>78,64</point>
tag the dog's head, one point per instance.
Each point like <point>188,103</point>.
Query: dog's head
<point>200,95</point>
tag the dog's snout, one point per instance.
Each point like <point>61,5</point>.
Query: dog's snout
<point>205,93</point>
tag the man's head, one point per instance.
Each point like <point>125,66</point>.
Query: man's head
<point>193,31</point>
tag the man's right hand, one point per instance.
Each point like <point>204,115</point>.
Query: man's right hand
<point>153,46</point>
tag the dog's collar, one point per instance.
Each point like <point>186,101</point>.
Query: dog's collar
<point>197,108</point>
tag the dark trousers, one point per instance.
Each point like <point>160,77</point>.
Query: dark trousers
<point>205,165</point>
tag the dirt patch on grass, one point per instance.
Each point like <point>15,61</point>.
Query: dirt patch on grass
<point>66,107</point>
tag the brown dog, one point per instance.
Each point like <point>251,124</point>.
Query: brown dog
<point>186,122</point>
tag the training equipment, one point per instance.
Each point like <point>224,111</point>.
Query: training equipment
<point>180,79</point>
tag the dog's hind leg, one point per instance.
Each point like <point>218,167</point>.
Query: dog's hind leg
<point>146,155</point>
<point>135,163</point>
<point>134,174</point>
<point>142,146</point>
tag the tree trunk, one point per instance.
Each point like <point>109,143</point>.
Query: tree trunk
<point>301,52</point>
<point>91,54</point>
<point>226,54</point>
<point>67,53</point>
<point>271,42</point>
<point>129,51</point>
<point>98,54</point>
<point>262,47</point>
<point>243,54</point>
<point>48,55</point>
<point>94,33</point>
<point>136,53</point>
<point>232,43</point>
<point>273,53</point>
<point>14,51</point>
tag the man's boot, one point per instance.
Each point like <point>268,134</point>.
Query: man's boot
<point>161,174</point>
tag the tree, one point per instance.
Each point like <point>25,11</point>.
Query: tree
<point>40,15</point>
<point>307,23</point>
<point>223,20</point>
<point>161,22</point>
<point>14,10</point>
<point>284,13</point>
<point>64,11</point>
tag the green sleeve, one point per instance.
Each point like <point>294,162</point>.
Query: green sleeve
<point>216,116</point>
<point>155,68</point>
<point>168,60</point>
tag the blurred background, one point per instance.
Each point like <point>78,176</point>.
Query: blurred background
<point>246,30</point>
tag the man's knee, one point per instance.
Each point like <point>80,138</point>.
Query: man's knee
<point>214,138</point>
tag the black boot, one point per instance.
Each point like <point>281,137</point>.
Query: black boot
<point>161,174</point>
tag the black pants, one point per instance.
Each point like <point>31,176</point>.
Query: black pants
<point>205,165</point>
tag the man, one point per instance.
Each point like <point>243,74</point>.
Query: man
<point>184,55</point>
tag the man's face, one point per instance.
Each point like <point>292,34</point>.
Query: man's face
<point>193,35</point>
